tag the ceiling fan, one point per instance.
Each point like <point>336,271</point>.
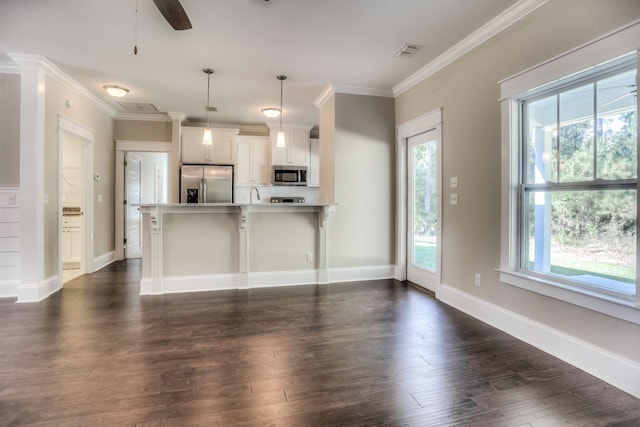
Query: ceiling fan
<point>174,14</point>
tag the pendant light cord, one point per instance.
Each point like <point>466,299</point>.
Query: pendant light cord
<point>281,105</point>
<point>208,95</point>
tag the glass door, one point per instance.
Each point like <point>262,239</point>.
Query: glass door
<point>423,208</point>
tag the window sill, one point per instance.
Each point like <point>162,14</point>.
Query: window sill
<point>606,304</point>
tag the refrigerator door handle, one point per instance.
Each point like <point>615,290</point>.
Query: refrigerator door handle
<point>204,193</point>
<point>201,198</point>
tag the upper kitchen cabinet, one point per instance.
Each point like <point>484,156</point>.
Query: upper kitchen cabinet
<point>296,151</point>
<point>253,167</point>
<point>221,152</point>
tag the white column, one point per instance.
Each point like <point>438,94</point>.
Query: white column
<point>323,219</point>
<point>33,285</point>
<point>243,253</point>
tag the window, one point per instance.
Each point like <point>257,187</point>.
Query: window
<point>570,176</point>
<point>578,197</point>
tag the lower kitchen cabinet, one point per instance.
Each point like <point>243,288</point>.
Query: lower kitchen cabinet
<point>71,240</point>
<point>253,166</point>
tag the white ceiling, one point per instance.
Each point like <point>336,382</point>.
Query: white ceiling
<point>246,42</point>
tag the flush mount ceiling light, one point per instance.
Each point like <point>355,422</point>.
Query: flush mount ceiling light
<point>271,112</point>
<point>207,138</point>
<point>115,90</point>
<point>280,142</point>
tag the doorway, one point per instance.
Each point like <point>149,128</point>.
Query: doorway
<point>423,209</point>
<point>75,194</point>
<point>145,182</point>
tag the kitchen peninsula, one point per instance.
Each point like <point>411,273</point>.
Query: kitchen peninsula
<point>202,247</point>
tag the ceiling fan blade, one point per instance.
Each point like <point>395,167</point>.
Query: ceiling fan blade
<point>174,14</point>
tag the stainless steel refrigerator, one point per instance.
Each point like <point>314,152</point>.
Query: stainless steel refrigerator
<point>206,184</point>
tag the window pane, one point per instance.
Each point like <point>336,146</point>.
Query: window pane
<point>617,127</point>
<point>587,236</point>
<point>542,118</point>
<point>425,199</point>
<point>576,134</point>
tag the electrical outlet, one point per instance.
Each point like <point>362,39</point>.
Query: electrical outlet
<point>478,279</point>
<point>453,182</point>
<point>99,198</point>
<point>12,200</point>
<point>453,199</point>
<point>309,256</point>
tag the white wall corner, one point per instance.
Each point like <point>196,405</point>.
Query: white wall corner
<point>501,22</point>
<point>604,364</point>
<point>35,292</point>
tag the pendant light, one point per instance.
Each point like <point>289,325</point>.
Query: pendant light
<point>207,138</point>
<point>280,142</point>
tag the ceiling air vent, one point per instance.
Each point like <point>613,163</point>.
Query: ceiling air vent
<point>407,50</point>
<point>138,107</point>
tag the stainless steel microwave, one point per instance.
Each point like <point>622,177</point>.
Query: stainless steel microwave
<point>289,175</point>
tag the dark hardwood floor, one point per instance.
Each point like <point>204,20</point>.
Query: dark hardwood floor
<point>353,354</point>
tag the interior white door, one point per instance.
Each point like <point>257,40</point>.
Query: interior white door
<point>133,246</point>
<point>424,210</point>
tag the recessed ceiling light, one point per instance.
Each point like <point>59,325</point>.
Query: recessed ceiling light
<point>271,112</point>
<point>116,91</point>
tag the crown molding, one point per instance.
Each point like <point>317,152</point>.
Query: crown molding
<point>175,115</point>
<point>7,67</point>
<point>501,22</point>
<point>144,117</point>
<point>324,96</point>
<point>53,71</point>
<point>334,88</point>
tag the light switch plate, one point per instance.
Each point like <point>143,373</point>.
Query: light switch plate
<point>453,182</point>
<point>99,198</point>
<point>453,199</point>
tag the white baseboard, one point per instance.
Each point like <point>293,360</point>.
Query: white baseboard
<point>38,291</point>
<point>610,367</point>
<point>177,284</point>
<point>267,279</point>
<point>356,274</point>
<point>9,288</point>
<point>103,260</point>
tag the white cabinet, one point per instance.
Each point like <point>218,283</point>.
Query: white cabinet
<point>296,151</point>
<point>71,240</point>
<point>221,152</point>
<point>253,167</point>
<point>313,178</point>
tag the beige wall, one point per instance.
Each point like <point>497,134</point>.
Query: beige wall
<point>138,130</point>
<point>362,230</point>
<point>467,91</point>
<point>10,130</point>
<point>327,150</point>
<point>104,163</point>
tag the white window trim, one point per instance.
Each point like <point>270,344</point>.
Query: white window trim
<point>591,54</point>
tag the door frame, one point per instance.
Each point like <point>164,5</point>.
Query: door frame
<point>67,126</point>
<point>122,147</point>
<point>129,155</point>
<point>421,124</point>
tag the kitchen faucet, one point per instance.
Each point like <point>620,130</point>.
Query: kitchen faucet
<point>251,194</point>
